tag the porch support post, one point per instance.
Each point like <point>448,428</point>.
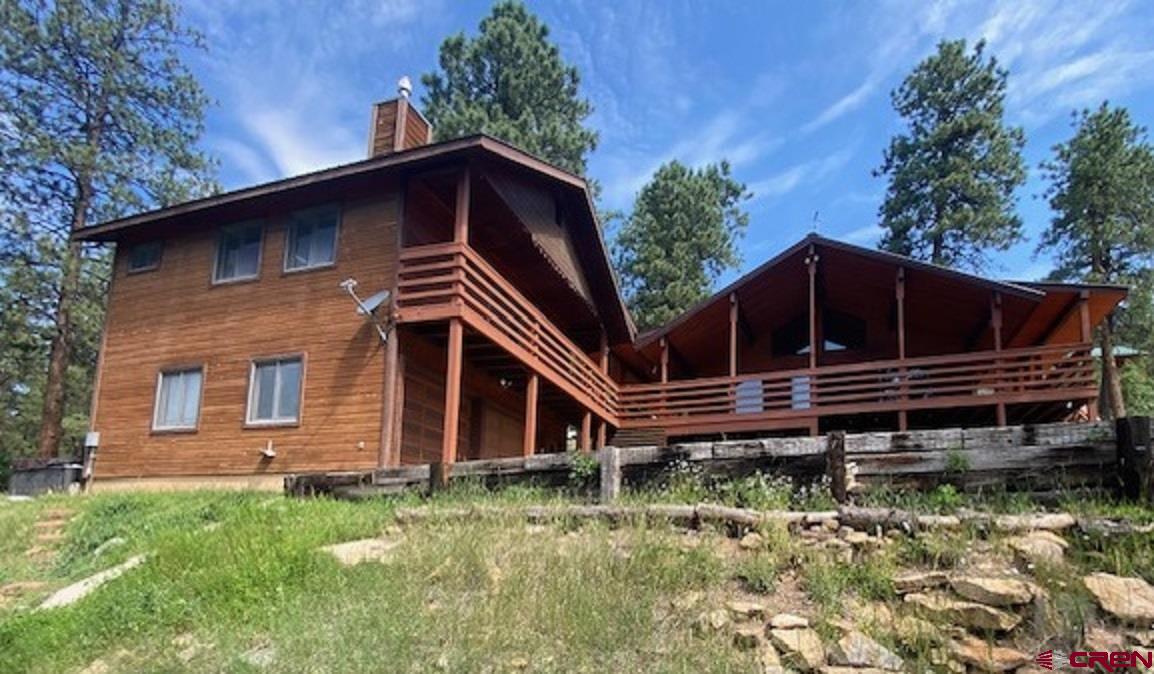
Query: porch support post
<point>900,296</point>
<point>1085,332</point>
<point>733,313</point>
<point>811,264</point>
<point>586,431</point>
<point>1084,329</point>
<point>452,391</point>
<point>996,326</point>
<point>603,363</point>
<point>389,454</point>
<point>461,214</point>
<point>664,361</point>
<point>529,444</point>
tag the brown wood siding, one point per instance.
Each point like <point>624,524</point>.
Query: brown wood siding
<point>416,132</point>
<point>384,128</point>
<point>175,316</point>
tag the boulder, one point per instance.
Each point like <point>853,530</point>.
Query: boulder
<point>800,647</point>
<point>838,669</point>
<point>788,621</point>
<point>359,552</point>
<point>1128,599</point>
<point>77,591</point>
<point>987,657</point>
<point>1102,639</point>
<point>712,621</point>
<point>918,581</point>
<point>768,660</point>
<point>752,541</point>
<point>855,649</point>
<point>965,613</point>
<point>748,636</point>
<point>1041,521</point>
<point>993,591</point>
<point>747,609</point>
<point>1039,547</point>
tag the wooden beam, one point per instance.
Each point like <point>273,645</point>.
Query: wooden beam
<point>586,431</point>
<point>900,297</point>
<point>733,334</point>
<point>1085,330</point>
<point>603,362</point>
<point>452,391</point>
<point>811,264</point>
<point>389,454</point>
<point>461,214</point>
<point>529,446</point>
<point>664,360</point>
<point>996,326</point>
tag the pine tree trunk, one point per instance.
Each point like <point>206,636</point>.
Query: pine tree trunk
<point>52,417</point>
<point>1110,376</point>
<point>52,412</point>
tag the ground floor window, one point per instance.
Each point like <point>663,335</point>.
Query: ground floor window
<point>177,399</point>
<point>275,391</point>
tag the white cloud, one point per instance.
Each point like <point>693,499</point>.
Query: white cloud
<point>811,172</point>
<point>846,104</point>
<point>863,236</point>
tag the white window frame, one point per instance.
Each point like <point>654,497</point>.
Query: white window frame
<point>170,371</point>
<point>249,418</point>
<point>290,236</point>
<point>152,267</point>
<point>216,280</point>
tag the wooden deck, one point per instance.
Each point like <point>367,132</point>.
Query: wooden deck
<point>451,280</point>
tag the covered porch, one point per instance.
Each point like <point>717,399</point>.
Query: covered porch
<point>830,336</point>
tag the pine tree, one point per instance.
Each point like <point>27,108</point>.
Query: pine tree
<point>1102,194</point>
<point>952,175</point>
<point>511,82</point>
<point>681,235</point>
<point>98,118</point>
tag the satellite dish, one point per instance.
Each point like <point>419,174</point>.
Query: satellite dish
<point>373,302</point>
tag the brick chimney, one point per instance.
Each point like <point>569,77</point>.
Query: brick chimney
<point>397,124</point>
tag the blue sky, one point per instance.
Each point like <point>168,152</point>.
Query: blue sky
<point>795,95</point>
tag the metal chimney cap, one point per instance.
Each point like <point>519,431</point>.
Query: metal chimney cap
<point>405,86</point>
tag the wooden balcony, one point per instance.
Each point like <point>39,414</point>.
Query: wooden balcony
<point>451,280</point>
<point>797,398</point>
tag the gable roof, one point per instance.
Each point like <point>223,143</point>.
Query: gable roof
<point>587,234</point>
<point>1006,287</point>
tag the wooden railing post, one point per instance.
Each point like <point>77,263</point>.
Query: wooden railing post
<point>835,466</point>
<point>1135,458</point>
<point>999,384</point>
<point>903,372</point>
<point>529,446</point>
<point>610,474</point>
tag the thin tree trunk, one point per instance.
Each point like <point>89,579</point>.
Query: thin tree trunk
<point>1111,380</point>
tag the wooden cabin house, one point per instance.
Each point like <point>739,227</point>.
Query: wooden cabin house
<point>447,301</point>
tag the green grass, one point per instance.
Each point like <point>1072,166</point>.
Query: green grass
<point>236,572</point>
<point>231,574</point>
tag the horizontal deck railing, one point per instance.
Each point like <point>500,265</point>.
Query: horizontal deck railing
<point>961,380</point>
<point>447,280</point>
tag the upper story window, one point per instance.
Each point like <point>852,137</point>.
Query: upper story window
<point>312,238</point>
<point>144,256</point>
<point>274,395</point>
<point>238,252</point>
<point>177,399</point>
